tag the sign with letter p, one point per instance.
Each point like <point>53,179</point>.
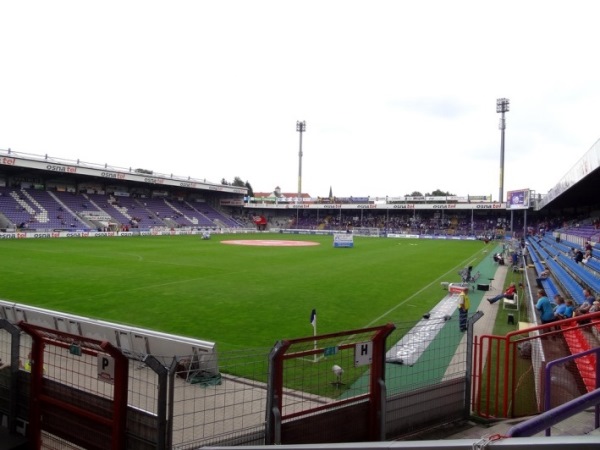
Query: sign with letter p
<point>106,368</point>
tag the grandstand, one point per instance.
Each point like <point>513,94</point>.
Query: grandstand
<point>40,199</point>
<point>43,194</point>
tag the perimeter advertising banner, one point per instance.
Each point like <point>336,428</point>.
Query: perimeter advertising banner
<point>343,240</point>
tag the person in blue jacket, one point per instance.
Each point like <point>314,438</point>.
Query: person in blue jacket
<point>545,308</point>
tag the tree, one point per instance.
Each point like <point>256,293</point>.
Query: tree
<point>250,190</point>
<point>146,171</point>
<point>414,194</point>
<point>237,181</point>
<point>439,193</point>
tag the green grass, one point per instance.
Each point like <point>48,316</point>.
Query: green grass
<point>239,297</point>
<point>524,397</point>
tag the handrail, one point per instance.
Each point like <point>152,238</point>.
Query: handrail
<point>556,415</point>
<point>563,360</point>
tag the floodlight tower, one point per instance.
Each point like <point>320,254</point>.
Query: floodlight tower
<point>300,128</point>
<point>502,106</point>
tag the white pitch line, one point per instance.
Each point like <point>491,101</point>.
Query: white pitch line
<point>373,322</point>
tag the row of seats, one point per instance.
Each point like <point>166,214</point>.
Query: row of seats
<point>547,283</point>
<point>35,209</point>
<point>586,273</point>
<point>571,284</point>
<point>586,231</point>
<point>577,343</point>
<point>39,209</point>
<point>565,247</point>
<point>573,335</point>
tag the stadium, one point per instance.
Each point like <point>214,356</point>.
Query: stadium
<point>146,310</point>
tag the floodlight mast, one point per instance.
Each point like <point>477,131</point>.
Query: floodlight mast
<point>300,128</point>
<point>502,106</point>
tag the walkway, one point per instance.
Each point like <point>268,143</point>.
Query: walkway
<point>421,352</point>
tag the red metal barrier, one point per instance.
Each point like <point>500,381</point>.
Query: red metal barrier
<point>498,365</point>
<point>328,388</point>
<point>63,403</point>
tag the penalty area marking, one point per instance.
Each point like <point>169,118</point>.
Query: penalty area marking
<point>270,243</point>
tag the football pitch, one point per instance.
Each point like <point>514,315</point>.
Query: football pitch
<point>237,296</point>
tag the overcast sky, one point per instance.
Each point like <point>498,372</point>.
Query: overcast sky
<point>398,96</point>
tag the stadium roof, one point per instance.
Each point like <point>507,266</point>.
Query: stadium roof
<point>580,184</point>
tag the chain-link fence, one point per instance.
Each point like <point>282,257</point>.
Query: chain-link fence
<point>223,409</point>
<point>312,379</point>
<point>321,380</point>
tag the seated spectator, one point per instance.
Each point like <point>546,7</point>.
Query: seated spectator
<point>543,275</point>
<point>588,301</point>
<point>586,256</point>
<point>508,293</point>
<point>564,310</point>
<point>595,306</point>
<point>499,259</point>
<point>570,309</point>
<point>587,294</point>
<point>578,256</point>
<point>560,306</point>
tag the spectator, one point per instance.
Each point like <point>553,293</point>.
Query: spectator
<point>565,308</point>
<point>570,309</point>
<point>515,258</point>
<point>508,293</point>
<point>595,306</point>
<point>561,306</point>
<point>543,275</point>
<point>588,301</point>
<point>578,256</point>
<point>544,306</point>
<point>499,259</point>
